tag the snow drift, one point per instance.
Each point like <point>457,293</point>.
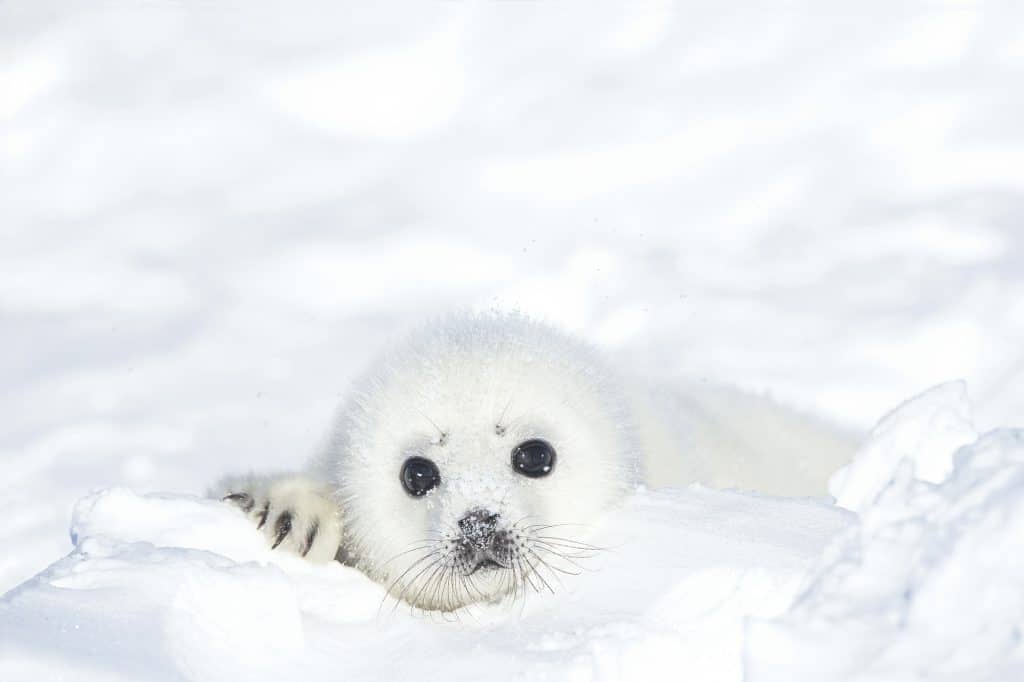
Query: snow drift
<point>920,576</point>
<point>928,584</point>
<point>175,587</point>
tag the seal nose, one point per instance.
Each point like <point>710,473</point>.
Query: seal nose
<point>478,526</point>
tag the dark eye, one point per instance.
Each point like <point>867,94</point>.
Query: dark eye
<point>419,476</point>
<point>533,458</point>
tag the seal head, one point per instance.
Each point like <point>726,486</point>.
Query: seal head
<point>474,460</point>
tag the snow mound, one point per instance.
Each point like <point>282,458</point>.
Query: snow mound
<point>165,587</point>
<point>929,583</point>
<point>923,581</point>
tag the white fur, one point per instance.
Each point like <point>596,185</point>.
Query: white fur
<point>722,437</point>
<point>463,392</point>
<point>308,502</point>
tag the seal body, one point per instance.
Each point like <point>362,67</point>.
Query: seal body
<point>474,461</point>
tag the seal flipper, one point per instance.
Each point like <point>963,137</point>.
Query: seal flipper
<point>295,512</point>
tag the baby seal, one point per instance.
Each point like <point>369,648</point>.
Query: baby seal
<point>476,458</point>
<point>470,464</point>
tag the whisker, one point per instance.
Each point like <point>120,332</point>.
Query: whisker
<point>437,590</point>
<point>412,582</point>
<point>557,568</point>
<point>574,554</point>
<point>537,573</point>
<point>501,417</point>
<point>390,587</point>
<point>423,545</point>
<point>442,434</point>
<point>416,599</point>
<point>566,542</point>
<point>526,579</point>
<point>527,576</point>
<point>568,557</point>
<point>518,579</point>
<point>546,526</point>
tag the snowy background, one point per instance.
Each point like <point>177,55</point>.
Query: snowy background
<point>212,214</point>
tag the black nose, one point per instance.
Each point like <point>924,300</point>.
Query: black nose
<point>478,526</point>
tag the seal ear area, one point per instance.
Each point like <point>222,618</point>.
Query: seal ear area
<point>294,512</point>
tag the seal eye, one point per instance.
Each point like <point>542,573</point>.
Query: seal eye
<point>419,476</point>
<point>533,458</point>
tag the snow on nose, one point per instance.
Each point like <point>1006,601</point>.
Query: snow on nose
<point>478,527</point>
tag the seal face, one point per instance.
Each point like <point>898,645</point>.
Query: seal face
<point>474,460</point>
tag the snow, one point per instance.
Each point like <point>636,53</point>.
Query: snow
<point>923,579</point>
<point>926,431</point>
<point>927,584</point>
<point>210,220</point>
<point>173,587</point>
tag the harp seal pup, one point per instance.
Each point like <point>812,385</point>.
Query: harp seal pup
<point>474,460</point>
